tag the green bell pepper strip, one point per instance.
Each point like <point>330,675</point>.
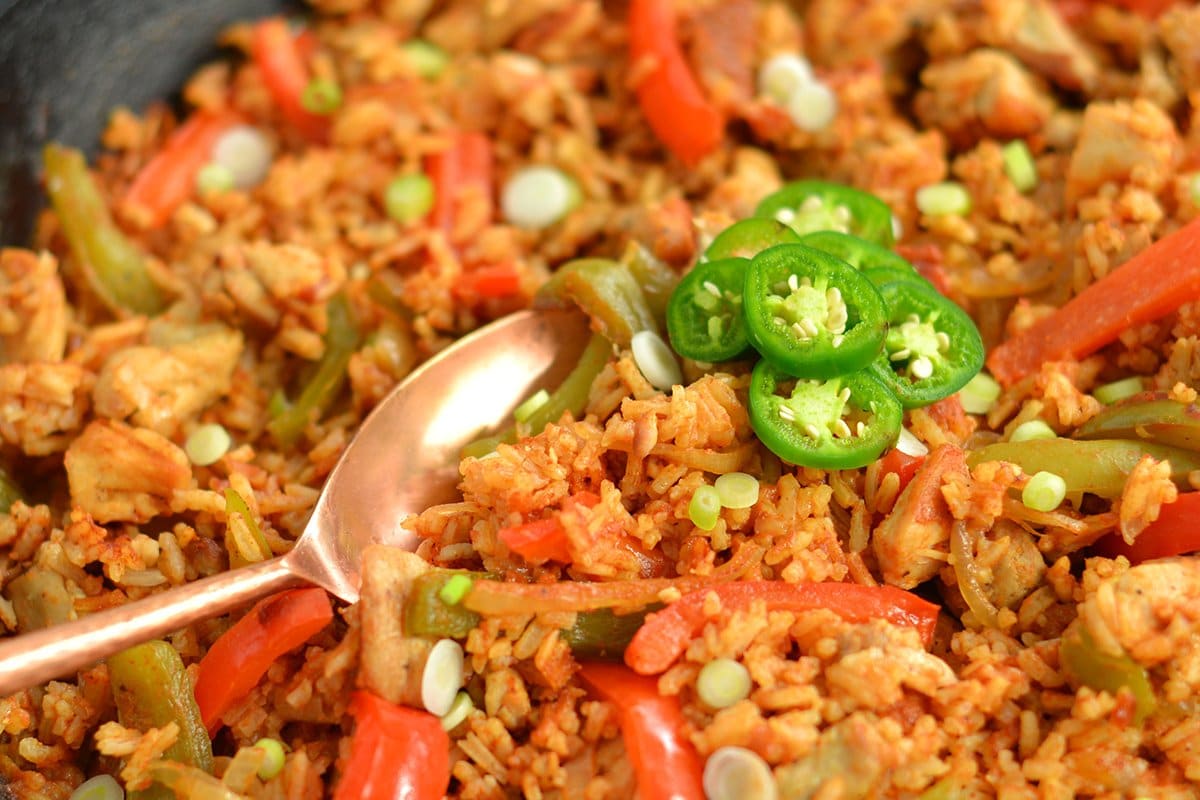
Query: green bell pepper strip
<point>749,237</point>
<point>151,688</point>
<point>1097,466</point>
<point>607,291</point>
<point>809,206</point>
<point>932,348</point>
<point>811,314</point>
<point>342,338</point>
<point>571,395</point>
<point>704,318</point>
<point>656,278</point>
<point>1149,415</point>
<point>115,266</point>
<point>1083,659</point>
<point>10,492</point>
<point>841,423</point>
<point>601,633</point>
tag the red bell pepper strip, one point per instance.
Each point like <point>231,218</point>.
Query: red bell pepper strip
<point>169,178</point>
<point>666,634</point>
<point>1174,533</point>
<point>1150,285</point>
<point>241,656</point>
<point>901,463</point>
<point>396,752</point>
<point>666,765</point>
<point>465,167</point>
<point>546,539</point>
<point>275,52</point>
<point>670,97</point>
<point>489,280</point>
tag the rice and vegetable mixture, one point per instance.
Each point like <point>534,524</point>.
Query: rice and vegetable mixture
<point>903,510</point>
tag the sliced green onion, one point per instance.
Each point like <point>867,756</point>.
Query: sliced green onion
<point>705,507</point>
<point>1116,391</point>
<point>735,773</point>
<point>246,152</point>
<point>460,709</point>
<point>273,763</point>
<point>408,198</point>
<point>455,589</point>
<point>101,787</point>
<point>723,682</point>
<point>812,106</point>
<point>1019,166</point>
<point>910,445</point>
<point>538,196</point>
<point>321,96</point>
<point>737,490</point>
<point>536,401</point>
<point>980,393</point>
<point>207,444</point>
<point>1044,492</point>
<point>443,677</point>
<point>427,58</point>
<point>214,178</point>
<point>655,360</point>
<point>1031,430</point>
<point>782,74</point>
<point>941,199</point>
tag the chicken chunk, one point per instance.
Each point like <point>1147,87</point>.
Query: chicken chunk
<point>1019,571</point>
<point>848,31</point>
<point>392,662</point>
<point>270,281</point>
<point>122,474</point>
<point>1120,142</point>
<point>160,388</point>
<point>33,308</point>
<point>918,527</point>
<point>985,93</point>
<point>1150,611</point>
<point>1035,32</point>
<point>852,752</point>
<point>42,405</point>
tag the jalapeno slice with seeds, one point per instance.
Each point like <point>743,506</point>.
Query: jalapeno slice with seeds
<point>840,423</point>
<point>810,314</point>
<point>749,237</point>
<point>932,348</point>
<point>704,315</point>
<point>857,252</point>
<point>809,206</point>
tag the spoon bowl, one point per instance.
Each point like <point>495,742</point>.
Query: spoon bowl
<point>402,460</point>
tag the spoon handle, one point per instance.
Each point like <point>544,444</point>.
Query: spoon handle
<point>59,650</point>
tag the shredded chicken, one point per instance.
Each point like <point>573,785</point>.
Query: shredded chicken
<point>42,405</point>
<point>161,388</point>
<point>120,473</point>
<point>33,308</point>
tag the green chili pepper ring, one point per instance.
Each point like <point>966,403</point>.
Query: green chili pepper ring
<point>811,314</point>
<point>842,423</point>
<point>749,237</point>
<point>932,348</point>
<point>704,315</point>
<point>809,206</point>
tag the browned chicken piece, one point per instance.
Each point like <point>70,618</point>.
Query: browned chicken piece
<point>161,388</point>
<point>33,308</point>
<point>1150,611</point>
<point>853,753</point>
<point>984,93</point>
<point>392,662</point>
<point>118,473</point>
<point>43,405</point>
<point>1122,141</point>
<point>908,540</point>
<point>1017,566</point>
<point>268,281</point>
<point>848,31</point>
<point>1035,32</point>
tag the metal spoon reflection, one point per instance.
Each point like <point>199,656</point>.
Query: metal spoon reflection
<point>403,460</point>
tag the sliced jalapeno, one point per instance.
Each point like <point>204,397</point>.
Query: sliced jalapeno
<point>704,316</point>
<point>811,314</point>
<point>877,264</point>
<point>841,423</point>
<point>749,237</point>
<point>809,206</point>
<point>932,348</point>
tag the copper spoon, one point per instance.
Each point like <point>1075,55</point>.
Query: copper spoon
<point>402,460</point>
